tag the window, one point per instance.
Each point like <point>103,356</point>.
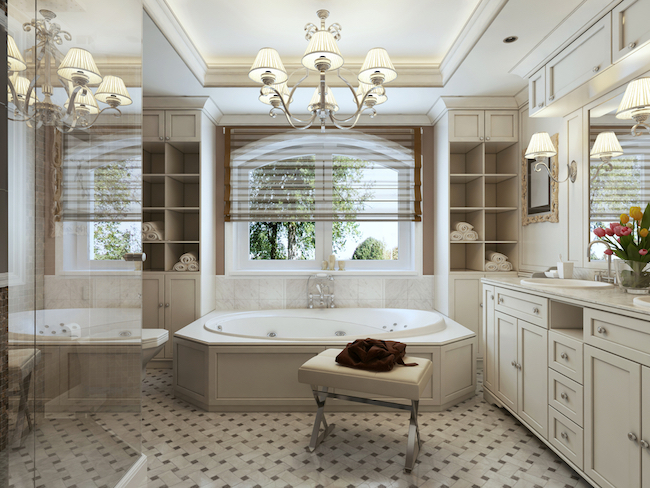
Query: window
<point>296,198</point>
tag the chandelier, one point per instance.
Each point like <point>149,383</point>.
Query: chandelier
<point>76,71</point>
<point>322,55</point>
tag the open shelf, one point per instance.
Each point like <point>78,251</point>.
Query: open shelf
<point>466,162</point>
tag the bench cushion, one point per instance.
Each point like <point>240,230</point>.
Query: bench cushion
<point>401,382</point>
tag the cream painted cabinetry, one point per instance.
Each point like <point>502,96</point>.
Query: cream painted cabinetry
<point>487,336</point>
<point>483,125</point>
<point>171,125</point>
<point>630,27</point>
<point>537,91</point>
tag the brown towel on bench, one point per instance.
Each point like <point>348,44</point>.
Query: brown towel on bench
<point>373,355</point>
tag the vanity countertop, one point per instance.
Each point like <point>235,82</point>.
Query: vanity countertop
<point>607,299</point>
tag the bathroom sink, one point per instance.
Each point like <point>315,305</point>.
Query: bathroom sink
<point>565,283</point>
<point>642,301</point>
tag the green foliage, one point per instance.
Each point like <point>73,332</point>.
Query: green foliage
<point>111,242</point>
<point>370,248</point>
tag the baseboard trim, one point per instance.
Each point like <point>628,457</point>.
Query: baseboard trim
<point>136,477</point>
<point>160,364</point>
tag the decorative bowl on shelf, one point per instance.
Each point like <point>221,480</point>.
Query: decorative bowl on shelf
<point>633,276</point>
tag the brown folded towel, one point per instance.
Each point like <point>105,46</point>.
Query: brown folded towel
<point>373,355</point>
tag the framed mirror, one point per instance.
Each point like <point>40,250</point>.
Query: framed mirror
<point>539,193</point>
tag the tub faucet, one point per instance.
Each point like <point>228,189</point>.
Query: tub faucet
<point>609,278</point>
<point>324,296</point>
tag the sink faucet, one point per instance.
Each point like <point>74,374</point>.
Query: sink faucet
<point>597,276</point>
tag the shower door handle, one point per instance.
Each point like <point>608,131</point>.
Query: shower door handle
<point>134,256</point>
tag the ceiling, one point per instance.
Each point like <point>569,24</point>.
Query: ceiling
<point>439,47</point>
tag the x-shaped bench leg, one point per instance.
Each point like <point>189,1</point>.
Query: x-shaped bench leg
<point>414,443</point>
<point>320,397</point>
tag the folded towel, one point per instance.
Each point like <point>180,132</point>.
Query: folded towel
<point>153,226</point>
<point>462,226</point>
<point>193,266</point>
<point>470,235</point>
<point>505,266</point>
<point>456,235</point>
<point>497,257</point>
<point>188,257</point>
<point>180,267</point>
<point>491,266</point>
<point>153,236</point>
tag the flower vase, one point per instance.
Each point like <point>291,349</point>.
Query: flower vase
<point>633,276</point>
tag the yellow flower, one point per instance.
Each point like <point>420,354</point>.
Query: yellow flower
<point>624,219</point>
<point>636,214</point>
<point>643,232</point>
<point>632,209</point>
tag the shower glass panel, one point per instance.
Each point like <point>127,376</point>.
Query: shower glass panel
<point>74,335</point>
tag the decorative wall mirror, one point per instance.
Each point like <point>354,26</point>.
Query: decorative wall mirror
<point>539,193</point>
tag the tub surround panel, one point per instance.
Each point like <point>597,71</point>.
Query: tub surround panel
<point>92,291</point>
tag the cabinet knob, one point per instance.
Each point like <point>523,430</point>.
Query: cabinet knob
<point>631,436</point>
<point>644,444</point>
<point>514,364</point>
<point>160,305</point>
<point>519,366</point>
<point>564,435</point>
<point>631,45</point>
<point>536,311</point>
<point>564,396</point>
<point>492,297</point>
<point>161,138</point>
<point>487,138</point>
<point>166,304</point>
<point>500,300</point>
<point>601,330</point>
<point>551,98</point>
<point>541,104</point>
<point>480,138</point>
<point>480,305</point>
<point>596,69</point>
<point>564,356</point>
<point>167,138</point>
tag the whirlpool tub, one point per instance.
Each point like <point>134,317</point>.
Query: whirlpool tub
<point>248,361</point>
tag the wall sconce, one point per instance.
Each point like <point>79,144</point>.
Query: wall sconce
<point>605,148</point>
<point>541,147</point>
<point>636,104</point>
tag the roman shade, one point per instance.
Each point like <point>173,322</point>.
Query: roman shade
<point>275,175</point>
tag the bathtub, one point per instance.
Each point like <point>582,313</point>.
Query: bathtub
<point>248,361</point>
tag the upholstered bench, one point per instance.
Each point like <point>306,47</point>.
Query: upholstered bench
<point>322,372</point>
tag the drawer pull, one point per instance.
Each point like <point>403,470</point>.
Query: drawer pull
<point>500,300</point>
<point>564,397</point>
<point>631,45</point>
<point>492,297</point>
<point>601,330</point>
<point>564,435</point>
<point>536,311</point>
<point>564,356</point>
<point>514,364</point>
<point>644,444</point>
<point>631,436</point>
<point>519,366</point>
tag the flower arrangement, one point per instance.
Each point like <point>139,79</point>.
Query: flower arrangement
<point>628,240</point>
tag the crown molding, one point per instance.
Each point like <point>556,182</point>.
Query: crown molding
<point>206,104</point>
<point>522,97</point>
<point>378,120</point>
<point>444,104</point>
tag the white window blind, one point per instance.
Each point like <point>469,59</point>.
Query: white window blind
<point>279,176</point>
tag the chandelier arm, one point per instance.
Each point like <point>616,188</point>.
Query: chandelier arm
<point>294,86</point>
<point>354,94</point>
<point>338,122</point>
<point>288,116</point>
<point>636,132</point>
<point>606,165</point>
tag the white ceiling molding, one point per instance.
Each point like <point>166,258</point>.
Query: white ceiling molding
<point>478,23</point>
<point>168,24</point>
<point>265,120</point>
<point>522,97</point>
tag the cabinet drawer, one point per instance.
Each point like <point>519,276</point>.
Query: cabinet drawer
<point>527,307</point>
<point>624,336</point>
<point>565,396</point>
<point>566,436</point>
<point>565,356</point>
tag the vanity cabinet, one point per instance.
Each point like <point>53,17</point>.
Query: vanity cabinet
<point>630,27</point>
<point>171,125</point>
<point>483,125</point>
<point>487,336</point>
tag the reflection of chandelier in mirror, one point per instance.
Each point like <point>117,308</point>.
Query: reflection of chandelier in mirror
<point>76,71</point>
<point>636,104</point>
<point>605,148</point>
<point>323,55</point>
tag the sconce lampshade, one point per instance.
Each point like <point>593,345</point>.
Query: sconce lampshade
<point>84,102</point>
<point>330,101</point>
<point>15,60</point>
<point>79,62</point>
<point>112,89</point>
<point>379,95</point>
<point>606,146</point>
<point>377,61</point>
<point>636,100</point>
<point>267,93</point>
<point>268,61</point>
<point>21,86</point>
<point>540,146</point>
<point>322,45</point>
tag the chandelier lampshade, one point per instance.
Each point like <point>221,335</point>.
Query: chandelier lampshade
<point>15,60</point>
<point>21,87</point>
<point>606,146</point>
<point>113,91</point>
<point>330,101</point>
<point>377,66</point>
<point>84,103</point>
<point>321,46</point>
<point>78,65</point>
<point>268,62</point>
<point>267,93</point>
<point>540,146</point>
<point>636,100</point>
<point>379,95</point>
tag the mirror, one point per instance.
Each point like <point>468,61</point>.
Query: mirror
<point>539,194</point>
<point>613,192</point>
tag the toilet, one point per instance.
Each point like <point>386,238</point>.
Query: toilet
<point>153,341</point>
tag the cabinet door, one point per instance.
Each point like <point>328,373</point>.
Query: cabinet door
<point>183,125</point>
<point>488,337</point>
<point>581,60</point>
<point>506,359</point>
<point>181,305</point>
<point>153,125</point>
<point>466,126</point>
<point>630,27</point>
<point>645,424</point>
<point>537,91</point>
<point>501,125</point>
<point>612,410</point>
<point>532,399</point>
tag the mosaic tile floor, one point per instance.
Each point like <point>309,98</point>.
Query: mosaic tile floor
<point>471,445</point>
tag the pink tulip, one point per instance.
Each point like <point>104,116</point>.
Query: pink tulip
<point>619,230</point>
<point>626,231</point>
<point>609,232</point>
<point>613,225</point>
<point>609,252</point>
<point>643,252</point>
<point>600,232</point>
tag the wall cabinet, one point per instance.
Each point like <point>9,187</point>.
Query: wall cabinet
<point>480,125</point>
<point>537,91</point>
<point>171,125</point>
<point>630,27</point>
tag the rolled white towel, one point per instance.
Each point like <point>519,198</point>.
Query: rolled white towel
<point>193,266</point>
<point>153,226</point>
<point>462,226</point>
<point>505,266</point>
<point>470,235</point>
<point>456,235</point>
<point>188,257</point>
<point>154,236</point>
<point>180,267</point>
<point>497,257</point>
<point>491,266</point>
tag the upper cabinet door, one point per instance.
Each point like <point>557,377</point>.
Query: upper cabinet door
<point>153,125</point>
<point>183,125</point>
<point>588,55</point>
<point>501,125</point>
<point>466,126</point>
<point>537,91</point>
<point>630,27</point>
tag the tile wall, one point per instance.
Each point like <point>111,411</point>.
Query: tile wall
<point>92,292</point>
